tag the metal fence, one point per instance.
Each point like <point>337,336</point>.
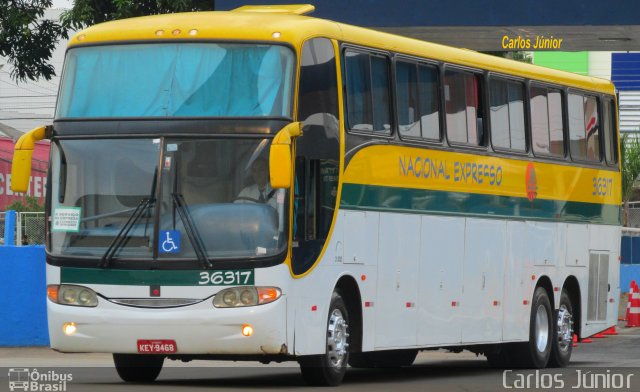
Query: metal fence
<point>29,228</point>
<point>634,214</point>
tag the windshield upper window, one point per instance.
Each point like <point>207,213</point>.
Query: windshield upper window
<point>209,197</point>
<point>177,80</point>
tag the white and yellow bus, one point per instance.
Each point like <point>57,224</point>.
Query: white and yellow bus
<point>420,196</point>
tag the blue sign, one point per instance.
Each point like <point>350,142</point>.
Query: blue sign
<point>169,241</point>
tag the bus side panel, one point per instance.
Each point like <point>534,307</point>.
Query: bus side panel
<point>396,310</point>
<point>483,276</point>
<point>440,277</point>
<point>518,283</point>
<point>344,255</point>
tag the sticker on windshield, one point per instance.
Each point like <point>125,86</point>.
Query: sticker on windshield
<point>66,219</point>
<point>169,241</point>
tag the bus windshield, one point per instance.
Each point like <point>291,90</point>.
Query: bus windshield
<point>186,199</point>
<point>177,80</point>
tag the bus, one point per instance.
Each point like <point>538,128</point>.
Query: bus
<point>262,185</point>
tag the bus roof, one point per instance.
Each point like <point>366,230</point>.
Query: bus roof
<point>295,29</point>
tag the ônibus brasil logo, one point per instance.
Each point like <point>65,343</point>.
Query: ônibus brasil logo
<point>23,379</point>
<point>531,182</point>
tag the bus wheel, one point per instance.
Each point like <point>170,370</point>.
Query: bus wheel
<point>138,368</point>
<point>563,333</point>
<point>536,352</point>
<point>328,369</point>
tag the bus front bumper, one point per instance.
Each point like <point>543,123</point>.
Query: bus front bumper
<point>196,329</point>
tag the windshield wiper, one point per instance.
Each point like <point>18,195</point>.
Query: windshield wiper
<point>192,230</point>
<point>123,236</point>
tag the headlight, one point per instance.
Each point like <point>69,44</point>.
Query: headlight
<point>66,294</point>
<point>235,297</point>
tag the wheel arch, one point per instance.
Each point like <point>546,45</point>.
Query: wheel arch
<point>572,286</point>
<point>545,282</point>
<point>348,287</point>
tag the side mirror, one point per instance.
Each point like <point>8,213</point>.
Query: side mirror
<point>22,154</point>
<point>280,156</point>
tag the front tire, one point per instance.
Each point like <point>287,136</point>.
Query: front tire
<point>328,369</point>
<point>138,368</point>
<point>563,333</point>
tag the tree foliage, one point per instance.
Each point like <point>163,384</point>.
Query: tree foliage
<point>26,39</point>
<point>89,12</point>
<point>30,204</point>
<point>630,152</point>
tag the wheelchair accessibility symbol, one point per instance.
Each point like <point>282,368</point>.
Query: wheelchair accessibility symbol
<point>169,241</point>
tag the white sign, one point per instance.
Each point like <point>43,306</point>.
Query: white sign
<point>66,219</point>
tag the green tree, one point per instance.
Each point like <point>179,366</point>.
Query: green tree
<point>630,159</point>
<point>29,204</point>
<point>26,39</point>
<point>89,12</point>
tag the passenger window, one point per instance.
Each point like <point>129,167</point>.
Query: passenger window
<point>609,128</point>
<point>407,99</point>
<point>358,91</point>
<point>584,128</point>
<point>462,105</point>
<point>507,115</point>
<point>429,101</point>
<point>547,133</point>
<point>417,100</point>
<point>367,82</point>
<point>381,96</point>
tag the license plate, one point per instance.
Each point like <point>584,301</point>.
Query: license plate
<point>157,346</point>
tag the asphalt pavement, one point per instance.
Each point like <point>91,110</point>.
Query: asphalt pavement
<point>612,363</point>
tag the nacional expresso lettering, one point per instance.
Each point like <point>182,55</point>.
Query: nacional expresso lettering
<point>425,167</point>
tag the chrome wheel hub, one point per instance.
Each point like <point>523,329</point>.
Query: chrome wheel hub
<point>542,328</point>
<point>565,328</point>
<point>337,338</point>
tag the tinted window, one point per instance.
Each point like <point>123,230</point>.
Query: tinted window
<point>368,105</point>
<point>584,127</point>
<point>381,101</point>
<point>407,99</point>
<point>464,119</point>
<point>417,100</point>
<point>359,113</point>
<point>429,101</point>
<point>547,132</point>
<point>507,115</point>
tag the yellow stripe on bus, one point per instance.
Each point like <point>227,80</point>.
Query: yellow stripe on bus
<point>408,167</point>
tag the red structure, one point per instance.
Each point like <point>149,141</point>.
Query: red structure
<point>38,173</point>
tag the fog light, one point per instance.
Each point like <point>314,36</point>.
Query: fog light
<point>247,330</point>
<point>69,328</point>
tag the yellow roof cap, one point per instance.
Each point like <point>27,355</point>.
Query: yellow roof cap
<point>294,9</point>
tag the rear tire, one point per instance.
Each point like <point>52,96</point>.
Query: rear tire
<point>535,353</point>
<point>562,333</point>
<point>328,369</point>
<point>138,368</point>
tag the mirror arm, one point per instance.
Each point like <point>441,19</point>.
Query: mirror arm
<point>22,155</point>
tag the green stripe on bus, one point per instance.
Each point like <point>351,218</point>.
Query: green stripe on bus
<point>156,277</point>
<point>425,201</point>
